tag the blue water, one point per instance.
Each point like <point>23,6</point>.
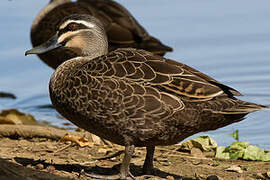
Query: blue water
<point>228,40</point>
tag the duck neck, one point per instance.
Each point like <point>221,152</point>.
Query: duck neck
<point>97,46</point>
<point>95,51</point>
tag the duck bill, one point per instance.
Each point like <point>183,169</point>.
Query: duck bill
<point>45,47</point>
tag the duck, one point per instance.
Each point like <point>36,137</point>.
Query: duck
<point>133,97</point>
<point>122,29</point>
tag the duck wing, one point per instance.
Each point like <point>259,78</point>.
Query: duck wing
<point>163,74</point>
<point>151,84</point>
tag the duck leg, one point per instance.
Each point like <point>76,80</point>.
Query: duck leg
<point>148,162</point>
<point>124,169</point>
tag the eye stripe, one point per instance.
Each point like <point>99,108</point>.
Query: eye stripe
<point>87,24</point>
<point>66,36</point>
<point>78,26</point>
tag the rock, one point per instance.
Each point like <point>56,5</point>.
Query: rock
<point>196,152</point>
<point>204,143</point>
<point>213,177</point>
<point>50,168</point>
<point>29,166</point>
<point>214,164</point>
<point>7,95</point>
<point>200,176</point>
<point>39,166</point>
<point>234,168</point>
<point>13,116</point>
<point>196,162</point>
<point>259,176</point>
<point>268,174</point>
<point>170,177</point>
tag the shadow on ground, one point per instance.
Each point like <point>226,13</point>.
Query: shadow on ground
<point>71,168</point>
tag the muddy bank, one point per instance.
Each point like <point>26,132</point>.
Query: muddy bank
<point>42,157</point>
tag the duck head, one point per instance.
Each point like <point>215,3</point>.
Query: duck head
<point>83,34</point>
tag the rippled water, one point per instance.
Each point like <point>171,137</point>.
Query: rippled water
<point>228,40</point>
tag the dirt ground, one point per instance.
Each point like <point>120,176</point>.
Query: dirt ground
<point>46,158</point>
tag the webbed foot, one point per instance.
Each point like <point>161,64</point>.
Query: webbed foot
<point>124,169</point>
<point>110,177</point>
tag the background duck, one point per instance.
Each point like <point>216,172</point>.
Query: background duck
<point>121,27</point>
<point>133,97</point>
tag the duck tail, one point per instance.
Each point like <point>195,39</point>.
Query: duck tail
<point>244,108</point>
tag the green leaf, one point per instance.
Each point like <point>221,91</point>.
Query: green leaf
<point>221,153</point>
<point>254,153</point>
<point>242,150</point>
<point>235,135</point>
<point>237,154</point>
<point>266,156</point>
<point>238,146</point>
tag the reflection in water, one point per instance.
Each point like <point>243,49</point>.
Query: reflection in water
<point>225,41</point>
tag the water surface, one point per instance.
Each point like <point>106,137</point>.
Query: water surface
<point>228,40</point>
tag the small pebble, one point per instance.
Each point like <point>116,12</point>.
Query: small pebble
<point>200,176</point>
<point>163,160</point>
<point>196,152</point>
<point>214,164</point>
<point>260,176</point>
<point>196,162</point>
<point>170,177</point>
<point>234,168</point>
<point>40,166</point>
<point>268,174</point>
<point>50,168</point>
<point>67,124</point>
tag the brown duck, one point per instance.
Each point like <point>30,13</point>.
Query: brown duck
<point>132,97</point>
<point>121,28</point>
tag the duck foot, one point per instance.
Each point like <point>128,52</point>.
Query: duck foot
<point>117,176</point>
<point>124,169</point>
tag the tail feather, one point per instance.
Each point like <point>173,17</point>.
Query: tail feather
<point>225,111</point>
<point>242,108</point>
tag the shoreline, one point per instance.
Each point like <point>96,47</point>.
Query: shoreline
<point>42,157</point>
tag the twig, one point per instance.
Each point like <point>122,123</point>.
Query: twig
<point>63,148</point>
<point>32,131</point>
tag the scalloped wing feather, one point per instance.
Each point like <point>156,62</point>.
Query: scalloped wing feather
<point>166,75</point>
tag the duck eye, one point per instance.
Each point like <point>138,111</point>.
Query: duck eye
<point>72,27</point>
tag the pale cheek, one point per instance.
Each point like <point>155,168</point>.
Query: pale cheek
<point>77,44</point>
<point>64,36</point>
